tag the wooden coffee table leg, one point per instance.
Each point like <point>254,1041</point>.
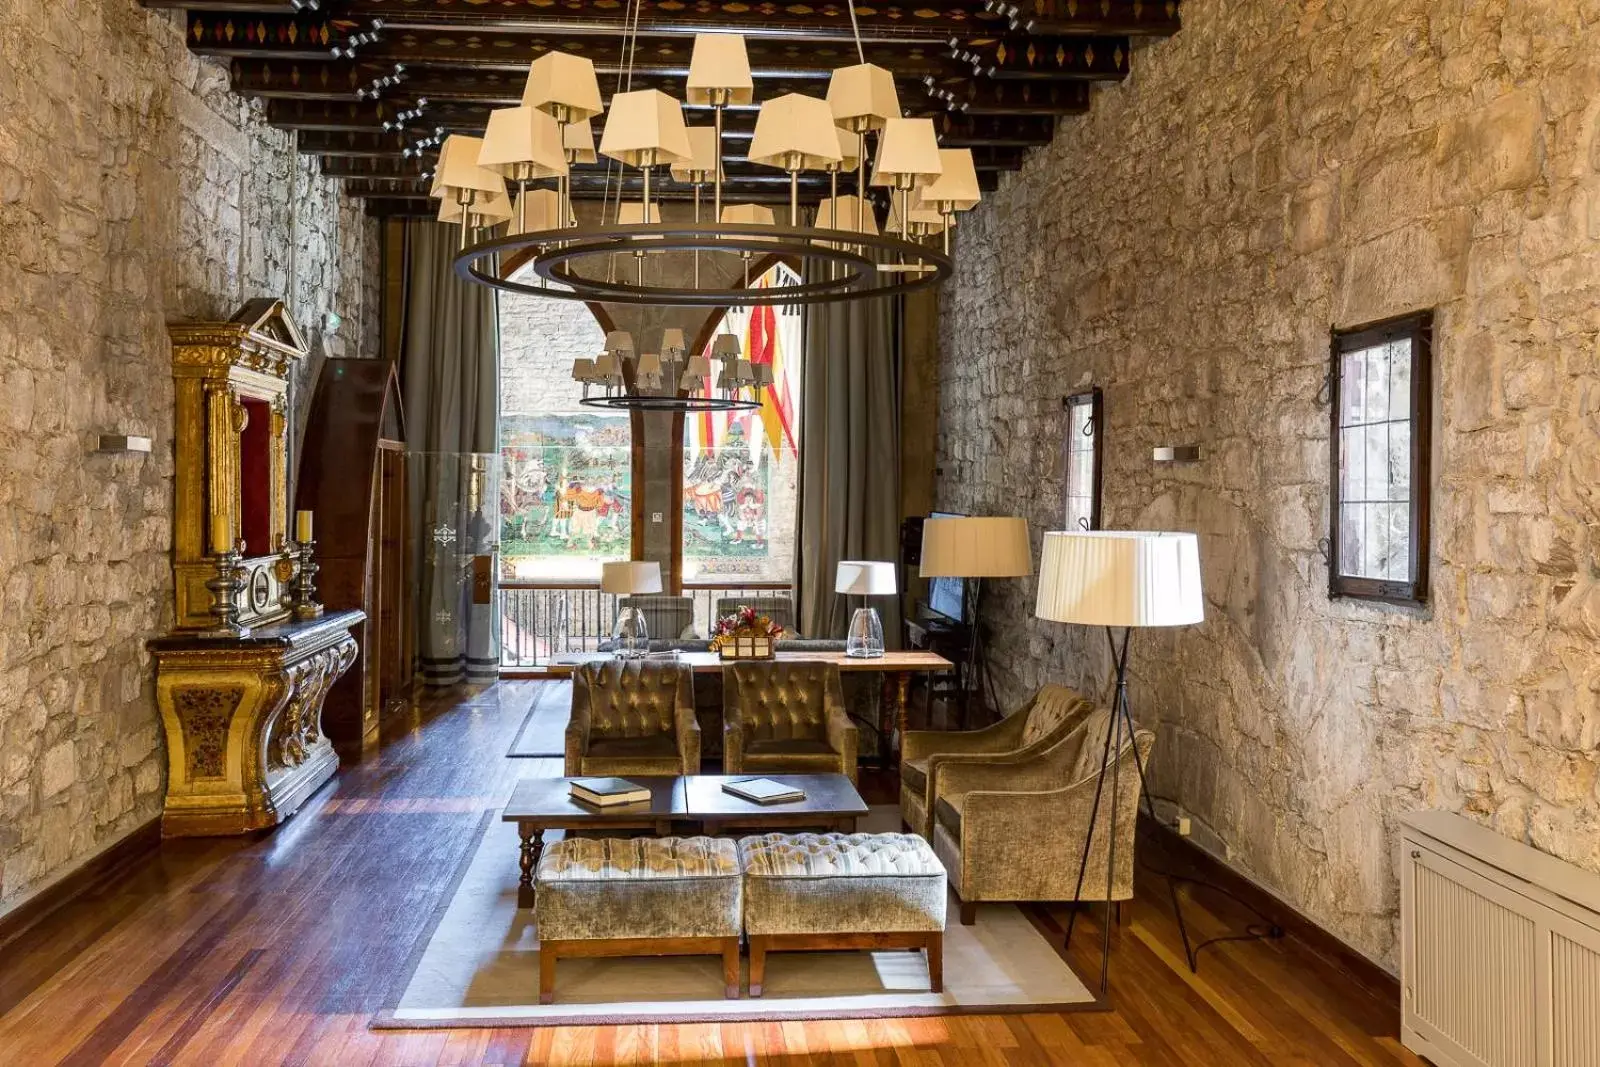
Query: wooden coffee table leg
<point>532,845</point>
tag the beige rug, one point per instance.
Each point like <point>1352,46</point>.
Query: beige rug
<point>480,967</point>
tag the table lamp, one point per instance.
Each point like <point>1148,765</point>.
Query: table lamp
<point>865,578</point>
<point>630,637</point>
<point>1127,580</point>
<point>977,548</point>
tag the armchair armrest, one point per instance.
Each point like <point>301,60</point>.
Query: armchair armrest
<point>1006,772</point>
<point>843,737</point>
<point>732,725</point>
<point>1003,736</point>
<point>686,725</point>
<point>577,737</point>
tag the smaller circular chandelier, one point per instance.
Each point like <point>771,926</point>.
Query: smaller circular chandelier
<point>671,380</point>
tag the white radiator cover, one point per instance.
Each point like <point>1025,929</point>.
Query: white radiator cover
<point>1500,954</point>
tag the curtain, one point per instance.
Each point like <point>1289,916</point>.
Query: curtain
<point>451,394</point>
<point>850,458</point>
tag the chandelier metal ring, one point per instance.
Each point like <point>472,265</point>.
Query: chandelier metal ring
<point>914,266</point>
<point>679,402</point>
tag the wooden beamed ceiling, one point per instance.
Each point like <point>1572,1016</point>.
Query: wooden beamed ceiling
<point>372,86</point>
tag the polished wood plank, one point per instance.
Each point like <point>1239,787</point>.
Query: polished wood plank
<point>279,948</point>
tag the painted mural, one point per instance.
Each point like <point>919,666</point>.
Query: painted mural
<point>566,490</point>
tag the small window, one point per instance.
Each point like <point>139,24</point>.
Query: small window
<point>1381,392</point>
<point>1083,460</point>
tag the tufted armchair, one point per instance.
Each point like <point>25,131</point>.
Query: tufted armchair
<point>632,717</point>
<point>1012,828</point>
<point>1044,720</point>
<point>786,717</point>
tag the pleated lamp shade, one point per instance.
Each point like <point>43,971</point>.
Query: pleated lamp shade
<point>864,578</point>
<point>863,97</point>
<point>577,141</point>
<point>966,547</point>
<point>563,85</point>
<point>908,154</point>
<point>630,577</point>
<point>543,212</point>
<point>705,157</point>
<point>458,167</point>
<point>644,129</point>
<point>719,71</point>
<point>795,132</point>
<point>956,189</point>
<point>522,142</point>
<point>488,209</point>
<point>1121,578</point>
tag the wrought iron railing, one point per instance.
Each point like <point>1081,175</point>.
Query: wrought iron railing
<point>540,620</point>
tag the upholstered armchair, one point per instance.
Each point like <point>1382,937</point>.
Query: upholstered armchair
<point>1012,828</point>
<point>632,717</point>
<point>786,717</point>
<point>1046,719</point>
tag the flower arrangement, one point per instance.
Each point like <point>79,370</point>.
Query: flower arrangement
<point>745,635</point>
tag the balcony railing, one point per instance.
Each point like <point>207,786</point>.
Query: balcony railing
<point>540,620</point>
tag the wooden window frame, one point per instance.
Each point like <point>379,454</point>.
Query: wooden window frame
<point>1095,401</point>
<point>1416,327</point>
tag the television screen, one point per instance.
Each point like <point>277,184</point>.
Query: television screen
<point>947,596</point>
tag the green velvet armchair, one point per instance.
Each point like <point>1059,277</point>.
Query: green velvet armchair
<point>1052,713</point>
<point>632,717</point>
<point>1012,828</point>
<point>786,717</point>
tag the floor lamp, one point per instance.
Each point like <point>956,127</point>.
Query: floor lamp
<point>1120,580</point>
<point>975,548</point>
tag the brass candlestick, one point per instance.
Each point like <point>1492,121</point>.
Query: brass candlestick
<point>305,585</point>
<point>225,587</point>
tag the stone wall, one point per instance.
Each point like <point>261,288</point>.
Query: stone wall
<point>1274,170</point>
<point>134,190</point>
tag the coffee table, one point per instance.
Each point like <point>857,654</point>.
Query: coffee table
<point>696,803</point>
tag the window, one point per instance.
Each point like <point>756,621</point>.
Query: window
<point>1083,460</point>
<point>1381,396</point>
<point>741,469</point>
<point>566,491</point>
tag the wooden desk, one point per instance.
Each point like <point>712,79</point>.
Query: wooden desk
<point>900,665</point>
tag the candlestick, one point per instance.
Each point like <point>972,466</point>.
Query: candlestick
<point>225,587</point>
<point>302,526</point>
<point>305,586</point>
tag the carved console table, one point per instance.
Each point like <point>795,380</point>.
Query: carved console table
<point>243,718</point>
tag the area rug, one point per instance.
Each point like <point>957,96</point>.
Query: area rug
<point>479,966</point>
<point>544,730</point>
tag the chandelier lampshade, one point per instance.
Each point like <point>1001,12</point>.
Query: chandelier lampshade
<point>908,154</point>
<point>631,213</point>
<point>486,209</point>
<point>849,150</point>
<point>459,170</point>
<point>620,343</point>
<point>725,346</point>
<point>648,374</point>
<point>577,142</point>
<point>956,188</point>
<point>539,209</point>
<point>705,158</point>
<point>697,374</point>
<point>672,344</point>
<point>523,144</point>
<point>846,213</point>
<point>644,129</point>
<point>719,71</point>
<point>863,97</point>
<point>921,218</point>
<point>564,86</point>
<point>795,132</point>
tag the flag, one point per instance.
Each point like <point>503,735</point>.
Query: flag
<point>776,404</point>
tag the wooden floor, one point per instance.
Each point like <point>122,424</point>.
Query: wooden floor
<point>278,949</point>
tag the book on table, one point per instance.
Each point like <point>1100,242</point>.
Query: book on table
<point>763,791</point>
<point>604,792</point>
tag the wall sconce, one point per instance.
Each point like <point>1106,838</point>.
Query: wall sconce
<point>1177,454</point>
<point>122,442</point>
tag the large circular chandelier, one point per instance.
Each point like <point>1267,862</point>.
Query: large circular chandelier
<point>543,251</point>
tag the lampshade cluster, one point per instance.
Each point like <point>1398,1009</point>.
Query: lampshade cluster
<point>671,378</point>
<point>549,133</point>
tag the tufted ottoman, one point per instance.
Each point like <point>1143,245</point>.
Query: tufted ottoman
<point>830,891</point>
<point>647,896</point>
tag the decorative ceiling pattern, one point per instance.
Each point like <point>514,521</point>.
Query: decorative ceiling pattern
<point>373,86</point>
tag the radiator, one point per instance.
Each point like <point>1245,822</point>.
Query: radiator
<point>1500,954</point>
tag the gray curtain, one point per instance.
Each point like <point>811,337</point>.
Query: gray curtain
<point>850,458</point>
<point>451,392</point>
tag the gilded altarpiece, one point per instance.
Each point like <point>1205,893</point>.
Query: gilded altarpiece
<point>242,678</point>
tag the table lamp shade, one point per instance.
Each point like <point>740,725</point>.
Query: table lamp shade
<point>645,128</point>
<point>841,213</point>
<point>630,577</point>
<point>563,85</point>
<point>525,138</point>
<point>908,153</point>
<point>865,578</point>
<point>1120,578</point>
<point>705,157</point>
<point>458,167</point>
<point>863,97</point>
<point>577,142</point>
<point>795,132</point>
<point>956,188</point>
<point>719,71</point>
<point>986,547</point>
